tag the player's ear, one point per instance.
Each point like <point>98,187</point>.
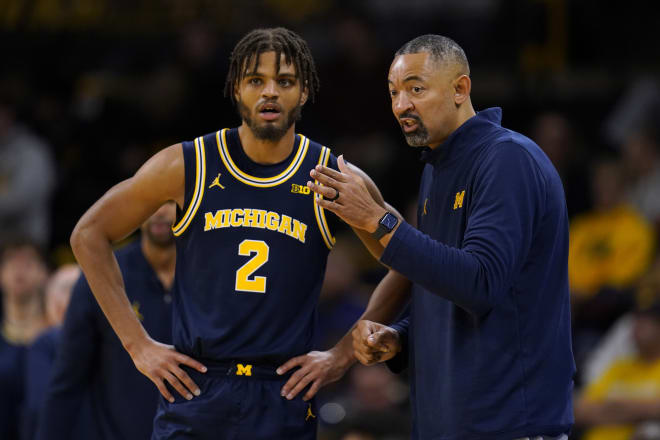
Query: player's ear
<point>304,95</point>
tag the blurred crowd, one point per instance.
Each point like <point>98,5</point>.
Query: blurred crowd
<point>84,102</point>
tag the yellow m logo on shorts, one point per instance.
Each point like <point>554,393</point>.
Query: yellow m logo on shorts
<point>243,370</point>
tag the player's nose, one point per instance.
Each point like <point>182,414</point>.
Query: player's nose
<point>270,89</point>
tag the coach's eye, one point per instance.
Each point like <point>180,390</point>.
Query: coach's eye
<point>417,89</point>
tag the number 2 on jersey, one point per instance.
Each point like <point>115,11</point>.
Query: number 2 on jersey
<point>260,250</point>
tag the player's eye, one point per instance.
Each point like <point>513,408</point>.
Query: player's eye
<point>285,82</point>
<point>255,81</point>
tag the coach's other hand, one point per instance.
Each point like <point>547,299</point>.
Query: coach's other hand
<point>316,367</point>
<point>374,342</point>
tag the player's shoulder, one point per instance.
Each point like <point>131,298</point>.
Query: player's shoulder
<point>320,150</point>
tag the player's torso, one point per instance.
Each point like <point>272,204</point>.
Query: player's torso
<point>251,251</point>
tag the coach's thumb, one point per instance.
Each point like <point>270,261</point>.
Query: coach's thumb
<point>378,340</point>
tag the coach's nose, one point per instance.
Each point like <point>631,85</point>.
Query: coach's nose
<point>402,104</point>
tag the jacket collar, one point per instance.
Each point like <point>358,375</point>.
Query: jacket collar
<point>465,137</point>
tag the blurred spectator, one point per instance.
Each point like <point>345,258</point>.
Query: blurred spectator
<point>618,342</point>
<point>23,272</point>
<point>91,360</point>
<point>610,249</point>
<point>41,354</point>
<point>627,396</point>
<point>27,179</point>
<point>641,151</point>
<point>612,245</point>
<point>553,132</point>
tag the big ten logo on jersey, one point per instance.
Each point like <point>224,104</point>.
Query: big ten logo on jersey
<point>255,218</point>
<point>299,189</point>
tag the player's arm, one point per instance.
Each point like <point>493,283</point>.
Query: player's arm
<point>114,216</point>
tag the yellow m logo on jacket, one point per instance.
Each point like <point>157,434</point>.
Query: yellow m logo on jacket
<point>458,202</point>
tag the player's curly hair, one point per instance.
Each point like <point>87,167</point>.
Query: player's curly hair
<point>281,41</point>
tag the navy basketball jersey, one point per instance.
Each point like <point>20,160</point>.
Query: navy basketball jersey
<point>252,246</point>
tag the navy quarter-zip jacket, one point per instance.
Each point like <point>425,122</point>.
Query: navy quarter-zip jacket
<point>488,337</point>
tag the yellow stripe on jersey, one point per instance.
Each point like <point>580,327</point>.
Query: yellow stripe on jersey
<point>261,182</point>
<point>320,212</point>
<point>200,178</point>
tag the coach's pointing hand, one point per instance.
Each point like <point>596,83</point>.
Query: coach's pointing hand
<point>374,342</point>
<point>345,193</point>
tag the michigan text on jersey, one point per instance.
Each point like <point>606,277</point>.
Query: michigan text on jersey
<point>255,218</point>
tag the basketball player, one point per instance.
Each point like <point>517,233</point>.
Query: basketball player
<point>251,245</point>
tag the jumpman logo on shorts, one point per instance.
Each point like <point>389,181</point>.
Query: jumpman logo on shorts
<point>309,413</point>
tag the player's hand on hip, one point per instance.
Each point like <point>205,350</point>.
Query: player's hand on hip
<point>162,363</point>
<point>316,367</point>
<point>352,201</point>
<point>374,342</point>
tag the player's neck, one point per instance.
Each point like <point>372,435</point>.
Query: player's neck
<point>266,152</point>
<point>162,260</point>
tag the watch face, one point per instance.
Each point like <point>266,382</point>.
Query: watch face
<point>390,221</point>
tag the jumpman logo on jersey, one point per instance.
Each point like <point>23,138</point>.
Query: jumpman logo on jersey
<point>216,182</point>
<point>136,309</point>
<point>309,413</point>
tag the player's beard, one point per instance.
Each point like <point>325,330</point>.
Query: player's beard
<point>270,131</point>
<point>419,137</point>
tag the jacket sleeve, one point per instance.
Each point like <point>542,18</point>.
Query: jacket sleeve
<point>508,194</point>
<point>73,367</point>
<point>400,362</point>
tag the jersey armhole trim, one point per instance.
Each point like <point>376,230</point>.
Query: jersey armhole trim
<point>200,178</point>
<point>320,212</point>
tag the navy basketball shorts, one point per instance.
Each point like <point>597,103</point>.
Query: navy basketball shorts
<point>237,401</point>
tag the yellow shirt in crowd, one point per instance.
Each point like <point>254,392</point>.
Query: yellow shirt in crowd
<point>625,379</point>
<point>611,248</point>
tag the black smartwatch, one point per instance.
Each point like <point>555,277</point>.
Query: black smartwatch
<point>385,225</point>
